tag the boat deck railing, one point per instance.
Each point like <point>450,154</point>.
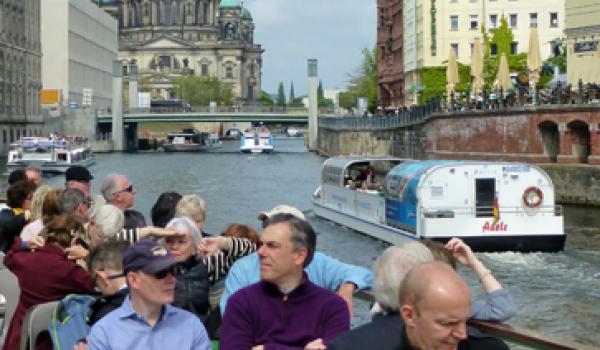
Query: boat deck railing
<point>509,333</point>
<point>485,211</point>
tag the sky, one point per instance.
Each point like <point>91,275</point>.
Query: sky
<point>292,31</point>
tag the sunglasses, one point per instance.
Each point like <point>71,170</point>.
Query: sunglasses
<point>126,189</point>
<point>173,270</point>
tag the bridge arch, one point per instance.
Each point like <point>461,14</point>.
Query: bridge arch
<point>580,139</point>
<point>550,139</point>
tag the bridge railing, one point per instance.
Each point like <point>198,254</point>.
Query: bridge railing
<point>221,109</point>
<point>401,118</point>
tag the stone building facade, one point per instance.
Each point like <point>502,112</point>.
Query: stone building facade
<point>20,70</point>
<point>390,56</point>
<point>582,29</point>
<point>171,38</point>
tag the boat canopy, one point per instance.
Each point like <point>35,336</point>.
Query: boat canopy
<point>337,170</point>
<point>402,182</point>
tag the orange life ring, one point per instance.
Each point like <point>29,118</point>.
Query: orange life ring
<point>533,197</point>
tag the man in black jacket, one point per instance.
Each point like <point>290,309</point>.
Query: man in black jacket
<point>12,219</point>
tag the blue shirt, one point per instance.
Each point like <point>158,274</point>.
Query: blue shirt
<point>124,329</point>
<point>324,271</point>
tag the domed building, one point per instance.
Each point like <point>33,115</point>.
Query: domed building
<point>171,38</point>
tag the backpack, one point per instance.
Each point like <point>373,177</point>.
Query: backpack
<point>69,319</point>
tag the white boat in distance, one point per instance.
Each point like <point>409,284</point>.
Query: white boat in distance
<point>256,140</point>
<point>50,154</point>
<point>191,140</point>
<point>491,206</point>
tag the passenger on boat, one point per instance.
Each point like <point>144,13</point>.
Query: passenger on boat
<point>79,177</point>
<point>46,274</point>
<point>323,270</point>
<point>163,209</point>
<point>12,219</point>
<point>35,225</point>
<point>119,191</point>
<point>187,247</point>
<point>35,176</point>
<point>194,207</point>
<point>145,320</point>
<point>74,202</point>
<point>285,309</point>
<point>16,175</point>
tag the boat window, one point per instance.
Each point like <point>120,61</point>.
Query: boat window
<point>485,192</point>
<point>332,175</point>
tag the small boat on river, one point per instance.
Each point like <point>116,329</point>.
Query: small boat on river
<point>191,141</point>
<point>491,206</point>
<point>256,140</point>
<point>50,154</point>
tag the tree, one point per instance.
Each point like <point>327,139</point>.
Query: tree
<point>292,97</point>
<point>296,102</point>
<point>200,91</point>
<point>280,96</point>
<point>348,100</point>
<point>320,92</point>
<point>364,82</point>
<point>266,99</point>
<point>502,38</point>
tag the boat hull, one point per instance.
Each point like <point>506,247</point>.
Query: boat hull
<point>185,148</point>
<point>49,167</point>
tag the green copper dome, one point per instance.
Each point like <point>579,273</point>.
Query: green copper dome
<point>230,3</point>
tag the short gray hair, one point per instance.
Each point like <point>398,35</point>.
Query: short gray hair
<point>185,223</point>
<point>110,186</point>
<point>109,219</point>
<point>108,254</point>
<point>69,199</point>
<point>391,267</point>
<point>190,205</point>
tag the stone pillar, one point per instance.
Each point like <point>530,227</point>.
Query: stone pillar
<point>154,12</point>
<point>117,106</point>
<point>313,107</point>
<point>565,154</point>
<point>211,12</point>
<point>133,86</point>
<point>125,13</point>
<point>594,157</point>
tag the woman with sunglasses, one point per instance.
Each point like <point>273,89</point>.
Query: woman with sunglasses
<point>198,272</point>
<point>46,274</point>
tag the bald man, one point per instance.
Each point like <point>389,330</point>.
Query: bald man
<point>435,304</point>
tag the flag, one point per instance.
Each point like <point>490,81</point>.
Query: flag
<point>496,210</point>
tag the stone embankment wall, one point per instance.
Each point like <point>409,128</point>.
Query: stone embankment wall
<point>575,184</point>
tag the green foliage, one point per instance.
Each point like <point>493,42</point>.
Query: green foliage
<point>280,96</point>
<point>265,99</point>
<point>200,91</point>
<point>292,97</point>
<point>296,102</point>
<point>320,93</point>
<point>516,64</point>
<point>348,100</point>
<point>502,37</point>
<point>434,81</point>
<point>364,82</point>
<point>548,68</point>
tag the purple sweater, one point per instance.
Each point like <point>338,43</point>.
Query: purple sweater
<point>261,315</point>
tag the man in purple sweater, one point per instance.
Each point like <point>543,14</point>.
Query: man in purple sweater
<point>284,310</point>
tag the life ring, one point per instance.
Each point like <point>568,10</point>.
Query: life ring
<point>533,197</point>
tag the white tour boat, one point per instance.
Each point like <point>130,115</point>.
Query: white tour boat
<point>191,141</point>
<point>50,154</point>
<point>492,206</point>
<point>256,140</point>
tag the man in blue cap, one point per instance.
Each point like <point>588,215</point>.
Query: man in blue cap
<point>146,320</point>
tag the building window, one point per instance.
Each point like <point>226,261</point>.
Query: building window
<point>513,20</point>
<point>474,22</point>
<point>454,47</point>
<point>250,92</point>
<point>553,19</point>
<point>533,20</point>
<point>12,136</point>
<point>204,69</point>
<point>514,48</point>
<point>493,49</point>
<point>229,72</point>
<point>4,136</point>
<point>493,21</point>
<point>454,23</point>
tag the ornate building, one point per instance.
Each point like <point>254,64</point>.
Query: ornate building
<point>390,57</point>
<point>20,70</point>
<point>171,38</point>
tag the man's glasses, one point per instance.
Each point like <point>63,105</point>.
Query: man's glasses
<point>173,270</point>
<point>126,189</point>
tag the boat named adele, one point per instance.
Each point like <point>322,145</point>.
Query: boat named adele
<point>491,206</point>
<point>50,154</point>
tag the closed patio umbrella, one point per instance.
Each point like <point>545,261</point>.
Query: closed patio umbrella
<point>503,76</point>
<point>451,74</point>
<point>534,59</point>
<point>477,67</point>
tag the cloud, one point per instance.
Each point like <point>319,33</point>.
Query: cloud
<point>291,31</point>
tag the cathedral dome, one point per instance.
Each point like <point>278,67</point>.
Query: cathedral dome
<point>230,4</point>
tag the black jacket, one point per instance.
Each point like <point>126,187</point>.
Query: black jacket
<point>11,226</point>
<point>192,288</point>
<point>105,304</point>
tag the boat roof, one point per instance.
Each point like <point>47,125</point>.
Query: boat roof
<point>344,161</point>
<point>416,169</point>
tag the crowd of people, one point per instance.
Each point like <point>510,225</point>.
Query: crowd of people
<point>171,285</point>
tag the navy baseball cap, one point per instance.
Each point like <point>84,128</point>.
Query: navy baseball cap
<point>78,173</point>
<point>147,256</point>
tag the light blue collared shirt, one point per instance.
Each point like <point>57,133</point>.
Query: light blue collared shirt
<point>324,271</point>
<point>124,329</point>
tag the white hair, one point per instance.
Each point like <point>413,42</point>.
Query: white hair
<point>190,205</point>
<point>391,267</point>
<point>186,224</point>
<point>110,186</point>
<point>109,219</point>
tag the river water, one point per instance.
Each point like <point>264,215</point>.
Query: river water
<point>557,294</point>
